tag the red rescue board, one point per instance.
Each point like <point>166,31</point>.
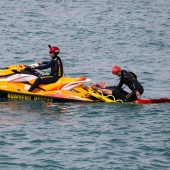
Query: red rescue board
<point>149,101</point>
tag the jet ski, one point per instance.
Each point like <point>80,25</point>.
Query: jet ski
<point>15,80</point>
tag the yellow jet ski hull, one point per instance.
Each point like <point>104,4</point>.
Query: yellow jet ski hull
<point>15,81</point>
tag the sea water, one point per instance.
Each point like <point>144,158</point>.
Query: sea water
<point>92,36</point>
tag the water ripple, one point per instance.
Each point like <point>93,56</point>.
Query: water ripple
<point>93,36</point>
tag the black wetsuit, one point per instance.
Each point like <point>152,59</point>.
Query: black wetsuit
<point>130,79</point>
<point>55,75</point>
<point>118,93</point>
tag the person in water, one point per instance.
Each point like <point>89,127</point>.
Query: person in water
<point>127,78</point>
<point>56,68</point>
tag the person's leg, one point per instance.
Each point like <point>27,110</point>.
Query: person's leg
<point>35,84</point>
<point>43,80</point>
<point>48,80</point>
<point>130,97</point>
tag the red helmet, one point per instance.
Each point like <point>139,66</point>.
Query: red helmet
<point>115,69</point>
<point>54,50</point>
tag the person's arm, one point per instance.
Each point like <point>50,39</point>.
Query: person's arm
<point>120,83</point>
<point>137,94</point>
<point>45,62</point>
<point>42,62</point>
<point>134,84</point>
<point>135,89</point>
<point>45,66</point>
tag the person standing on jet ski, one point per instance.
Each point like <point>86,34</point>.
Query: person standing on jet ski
<point>56,69</point>
<point>129,79</point>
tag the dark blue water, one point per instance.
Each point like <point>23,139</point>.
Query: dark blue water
<point>92,36</point>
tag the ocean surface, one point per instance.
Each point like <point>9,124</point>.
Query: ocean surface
<point>93,36</point>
